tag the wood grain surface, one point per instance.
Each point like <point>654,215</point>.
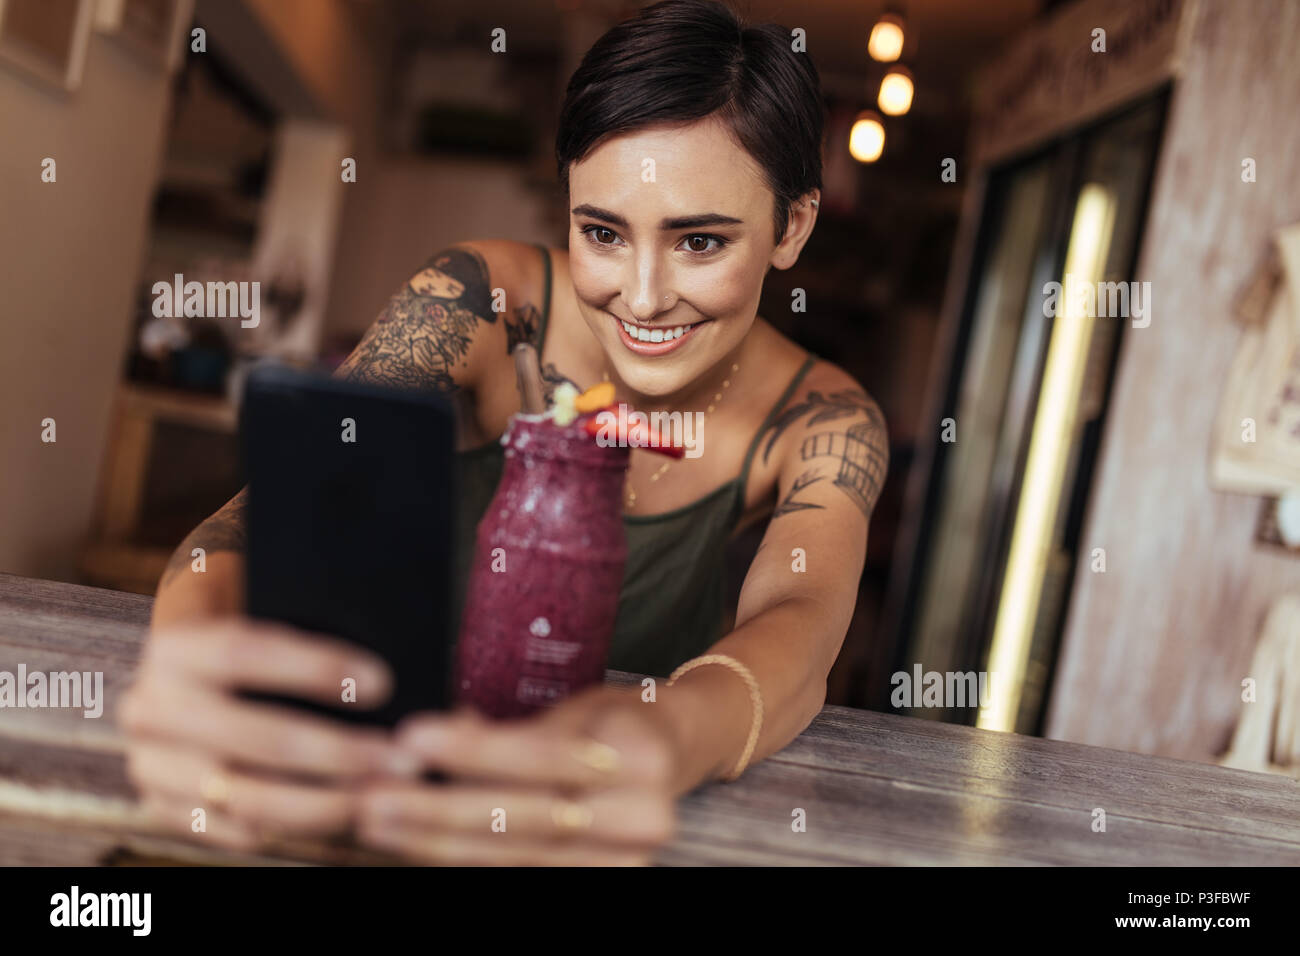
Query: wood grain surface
<point>874,788</point>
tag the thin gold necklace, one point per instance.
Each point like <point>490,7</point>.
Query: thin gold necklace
<point>630,493</point>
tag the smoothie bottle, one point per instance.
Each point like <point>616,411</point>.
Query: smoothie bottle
<point>548,567</point>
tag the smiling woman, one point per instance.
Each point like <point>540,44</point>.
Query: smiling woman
<point>689,150</point>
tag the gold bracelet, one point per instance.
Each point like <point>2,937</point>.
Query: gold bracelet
<point>755,700</point>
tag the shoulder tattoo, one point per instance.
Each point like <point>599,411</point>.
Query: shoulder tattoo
<point>860,450</point>
<point>427,327</point>
<point>790,503</point>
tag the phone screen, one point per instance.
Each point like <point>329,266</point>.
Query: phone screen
<point>350,526</point>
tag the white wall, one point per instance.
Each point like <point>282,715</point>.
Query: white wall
<point>298,225</point>
<point>70,255</point>
<point>399,212</point>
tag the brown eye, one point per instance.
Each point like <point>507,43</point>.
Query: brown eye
<point>703,244</point>
<point>604,232</point>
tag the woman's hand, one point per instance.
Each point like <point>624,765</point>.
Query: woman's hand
<point>589,782</point>
<point>254,768</point>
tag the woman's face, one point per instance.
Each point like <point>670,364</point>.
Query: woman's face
<point>670,228</point>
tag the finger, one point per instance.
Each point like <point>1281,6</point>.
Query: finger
<point>262,735</point>
<point>458,849</point>
<point>631,817</point>
<point>255,655</point>
<point>177,816</point>
<point>531,751</point>
<point>284,806</point>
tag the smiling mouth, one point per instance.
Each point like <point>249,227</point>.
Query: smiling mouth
<point>642,334</point>
<point>655,341</point>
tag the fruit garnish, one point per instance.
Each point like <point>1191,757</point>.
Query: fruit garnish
<point>595,398</point>
<point>563,399</point>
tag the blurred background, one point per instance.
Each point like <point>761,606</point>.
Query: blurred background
<point>1075,505</point>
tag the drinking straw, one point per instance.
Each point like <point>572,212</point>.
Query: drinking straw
<point>528,374</point>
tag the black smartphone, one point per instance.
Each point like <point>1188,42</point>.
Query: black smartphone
<point>350,526</point>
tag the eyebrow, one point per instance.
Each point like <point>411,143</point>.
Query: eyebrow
<point>667,225</point>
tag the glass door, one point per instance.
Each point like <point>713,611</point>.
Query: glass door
<point>1025,402</point>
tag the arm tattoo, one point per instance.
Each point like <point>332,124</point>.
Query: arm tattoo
<point>862,449</point>
<point>839,404</point>
<point>223,531</point>
<point>800,483</point>
<point>864,459</point>
<point>426,330</point>
<point>523,328</point>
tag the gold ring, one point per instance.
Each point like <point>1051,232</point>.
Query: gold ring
<point>214,787</point>
<point>597,756</point>
<point>571,816</point>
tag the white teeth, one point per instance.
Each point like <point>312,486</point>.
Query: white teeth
<point>655,335</point>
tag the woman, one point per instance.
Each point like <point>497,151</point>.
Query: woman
<point>688,176</point>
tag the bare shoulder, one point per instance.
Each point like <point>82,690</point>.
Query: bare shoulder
<point>517,283</point>
<point>826,378</point>
<point>513,266</point>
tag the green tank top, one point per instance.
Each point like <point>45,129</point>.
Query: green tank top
<point>672,603</point>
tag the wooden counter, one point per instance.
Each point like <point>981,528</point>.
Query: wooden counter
<point>875,788</point>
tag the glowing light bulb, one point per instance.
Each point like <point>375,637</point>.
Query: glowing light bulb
<point>886,41</point>
<point>895,96</point>
<point>866,138</point>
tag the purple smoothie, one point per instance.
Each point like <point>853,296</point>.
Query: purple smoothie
<point>537,628</point>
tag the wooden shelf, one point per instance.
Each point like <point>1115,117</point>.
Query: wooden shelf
<point>159,403</point>
<point>115,558</point>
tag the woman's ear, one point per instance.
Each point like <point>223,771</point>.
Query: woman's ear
<point>803,216</point>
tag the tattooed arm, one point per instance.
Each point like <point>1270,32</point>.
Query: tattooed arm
<point>439,331</point>
<point>185,593</point>
<point>429,335</point>
<point>842,436</point>
<point>831,448</point>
